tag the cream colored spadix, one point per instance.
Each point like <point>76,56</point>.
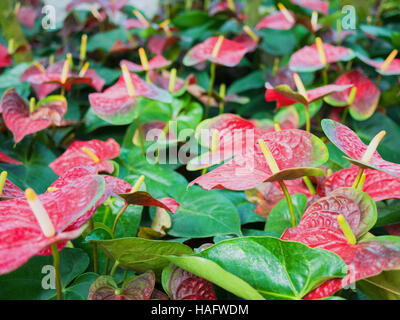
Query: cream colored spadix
<point>300,85</point>
<point>143,59</point>
<point>251,33</point>
<point>138,183</point>
<point>40,213</point>
<point>268,156</point>
<point>91,154</point>
<point>141,18</point>
<point>83,70</point>
<point>65,71</point>
<point>372,146</point>
<point>389,60</point>
<point>348,233</point>
<point>128,80</point>
<point>217,47</point>
<point>82,52</point>
<point>321,52</point>
<point>3,178</point>
<point>285,12</point>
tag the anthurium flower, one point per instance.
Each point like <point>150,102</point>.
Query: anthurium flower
<point>294,152</point>
<point>27,16</point>
<point>183,285</point>
<point>350,144</point>
<point>393,229</point>
<point>158,43</point>
<point>277,20</point>
<point>113,6</point>
<point>234,8</point>
<point>229,54</point>
<point>308,58</point>
<point>365,100</point>
<point>42,89</point>
<point>6,159</point>
<point>285,96</point>
<point>245,40</point>
<point>286,118</point>
<point>94,153</point>
<point>139,287</point>
<point>9,190</point>
<point>117,106</point>
<point>163,81</point>
<point>338,223</point>
<point>155,63</point>
<point>54,75</point>
<point>5,58</point>
<point>22,233</point>
<point>378,185</point>
<point>392,68</point>
<point>21,121</point>
<point>317,5</point>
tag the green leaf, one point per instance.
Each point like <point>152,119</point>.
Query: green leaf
<point>278,42</point>
<point>313,107</point>
<point>388,213</point>
<point>277,269</point>
<point>385,286</point>
<point>279,218</point>
<point>190,19</point>
<point>27,281</point>
<point>105,40</point>
<point>254,80</point>
<point>142,254</point>
<point>79,289</point>
<point>211,271</point>
<point>204,214</point>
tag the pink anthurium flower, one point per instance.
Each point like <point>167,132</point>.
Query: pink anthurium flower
<point>163,81</point>
<point>362,105</point>
<point>339,223</point>
<point>228,52</point>
<point>22,121</point>
<point>27,16</point>
<point>155,63</point>
<point>285,96</point>
<point>350,144</point>
<point>118,106</point>
<point>247,41</point>
<point>6,159</point>
<point>378,185</point>
<point>308,58</point>
<point>11,191</point>
<point>41,78</point>
<point>317,5</point>
<point>28,227</point>
<point>291,149</point>
<point>94,153</point>
<point>390,66</point>
<point>277,20</point>
<point>234,8</point>
<point>5,58</point>
<point>158,43</point>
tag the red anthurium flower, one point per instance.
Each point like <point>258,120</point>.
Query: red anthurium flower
<point>42,89</point>
<point>113,6</point>
<point>393,68</point>
<point>27,16</point>
<point>393,229</point>
<point>379,185</point>
<point>350,144</point>
<point>290,148</point>
<point>229,54</point>
<point>23,235</point>
<point>285,96</point>
<point>135,24</point>
<point>155,63</point>
<point>245,40</point>
<point>117,106</point>
<point>224,6</point>
<point>317,5</point>
<point>21,121</point>
<point>93,153</point>
<point>5,58</point>
<point>6,159</point>
<point>282,76</point>
<point>54,74</point>
<point>158,43</point>
<point>308,59</point>
<point>162,81</point>
<point>277,20</point>
<point>321,227</point>
<point>364,102</point>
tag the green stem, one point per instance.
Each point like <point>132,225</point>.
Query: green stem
<point>325,75</point>
<point>308,118</point>
<point>309,185</point>
<point>358,178</point>
<point>344,115</point>
<point>56,259</point>
<point>210,88</point>
<point>289,202</point>
<point>95,257</point>
<point>117,218</point>
<point>141,139</point>
<point>114,268</point>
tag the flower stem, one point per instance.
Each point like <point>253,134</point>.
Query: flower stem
<point>95,257</point>
<point>114,268</point>
<point>289,202</point>
<point>344,114</point>
<point>56,262</point>
<point>141,140</point>
<point>210,88</point>
<point>308,118</point>
<point>117,218</point>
